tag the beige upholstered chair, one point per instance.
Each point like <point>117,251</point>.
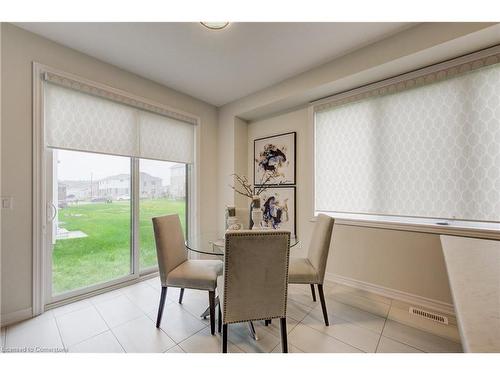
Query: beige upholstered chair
<point>311,270</point>
<point>254,285</point>
<point>176,270</point>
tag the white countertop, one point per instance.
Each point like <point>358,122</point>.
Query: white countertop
<point>473,267</point>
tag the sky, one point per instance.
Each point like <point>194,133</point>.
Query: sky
<point>75,165</point>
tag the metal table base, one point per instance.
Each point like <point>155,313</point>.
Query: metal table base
<point>251,327</point>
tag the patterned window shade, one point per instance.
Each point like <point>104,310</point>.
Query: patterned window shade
<point>77,120</point>
<point>428,151</point>
<point>166,138</point>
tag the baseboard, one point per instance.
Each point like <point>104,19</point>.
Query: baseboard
<point>394,294</point>
<point>15,317</point>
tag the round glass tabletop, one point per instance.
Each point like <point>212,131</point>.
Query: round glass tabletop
<point>212,244</point>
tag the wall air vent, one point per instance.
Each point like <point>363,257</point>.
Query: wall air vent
<point>428,315</point>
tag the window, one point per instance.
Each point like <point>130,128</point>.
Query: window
<point>427,147</point>
<point>112,163</point>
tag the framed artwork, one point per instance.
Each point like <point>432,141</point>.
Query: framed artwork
<point>274,160</point>
<point>278,208</point>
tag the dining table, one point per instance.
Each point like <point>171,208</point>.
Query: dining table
<point>212,244</point>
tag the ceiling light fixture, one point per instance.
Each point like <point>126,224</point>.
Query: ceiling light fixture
<point>215,25</point>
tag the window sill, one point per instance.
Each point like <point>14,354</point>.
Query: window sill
<point>423,225</point>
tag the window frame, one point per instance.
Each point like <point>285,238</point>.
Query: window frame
<point>40,297</point>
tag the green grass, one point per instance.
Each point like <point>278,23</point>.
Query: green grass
<point>105,254</point>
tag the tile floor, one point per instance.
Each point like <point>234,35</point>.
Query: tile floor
<point>124,321</point>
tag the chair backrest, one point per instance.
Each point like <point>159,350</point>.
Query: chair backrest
<point>170,245</point>
<point>255,275</point>
<point>320,244</point>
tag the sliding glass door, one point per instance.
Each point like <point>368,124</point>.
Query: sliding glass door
<point>111,162</point>
<point>92,224</point>
<point>162,190</point>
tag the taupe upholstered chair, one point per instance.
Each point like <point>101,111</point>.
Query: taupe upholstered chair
<point>254,285</point>
<point>176,270</point>
<point>311,270</point>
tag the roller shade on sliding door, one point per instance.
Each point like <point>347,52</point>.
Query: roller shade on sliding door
<point>165,138</point>
<point>426,147</point>
<point>86,121</point>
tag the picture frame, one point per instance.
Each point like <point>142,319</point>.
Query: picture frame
<point>277,204</point>
<point>275,155</point>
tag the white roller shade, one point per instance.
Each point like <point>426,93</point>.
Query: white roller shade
<point>430,151</point>
<point>166,138</point>
<point>80,120</point>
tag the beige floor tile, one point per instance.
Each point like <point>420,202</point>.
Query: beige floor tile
<point>143,296</point>
<point>176,350</point>
<point>387,345</point>
<point>48,314</point>
<point>154,283</point>
<point>195,301</point>
<point>302,294</point>
<point>173,293</point>
<point>419,339</point>
<point>204,342</point>
<point>352,314</point>
<point>34,334</point>
<point>75,306</point>
<point>239,334</point>
<point>296,310</point>
<point>102,343</point>
<point>118,310</point>
<point>80,325</point>
<point>310,340</point>
<point>105,296</point>
<point>275,327</point>
<point>350,333</point>
<point>291,349</point>
<point>141,336</point>
<point>177,322</point>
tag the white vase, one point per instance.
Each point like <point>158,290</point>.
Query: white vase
<point>257,218</point>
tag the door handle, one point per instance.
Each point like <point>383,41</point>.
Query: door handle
<point>54,210</point>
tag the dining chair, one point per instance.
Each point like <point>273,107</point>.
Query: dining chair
<point>311,270</point>
<point>176,270</point>
<point>255,280</point>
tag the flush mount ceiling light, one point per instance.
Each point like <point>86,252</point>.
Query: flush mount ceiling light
<point>215,25</point>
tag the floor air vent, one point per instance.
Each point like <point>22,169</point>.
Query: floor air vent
<point>428,315</point>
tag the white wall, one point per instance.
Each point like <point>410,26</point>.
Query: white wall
<point>409,262</point>
<point>293,121</point>
<point>19,49</point>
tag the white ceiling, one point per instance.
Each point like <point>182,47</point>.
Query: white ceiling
<point>216,66</point>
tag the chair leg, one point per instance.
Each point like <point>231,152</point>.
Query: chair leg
<point>267,322</point>
<point>211,300</point>
<point>224,338</point>
<point>162,304</point>
<point>313,292</point>
<point>219,320</point>
<point>181,296</point>
<point>284,338</point>
<point>323,304</point>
